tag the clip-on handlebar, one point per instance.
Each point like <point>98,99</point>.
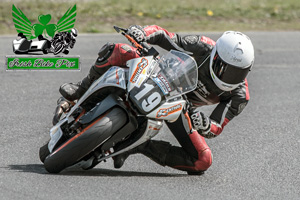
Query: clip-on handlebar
<point>143,48</point>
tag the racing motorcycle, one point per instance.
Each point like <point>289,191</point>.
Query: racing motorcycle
<point>62,42</point>
<point>122,109</point>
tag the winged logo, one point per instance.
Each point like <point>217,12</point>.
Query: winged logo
<point>23,24</point>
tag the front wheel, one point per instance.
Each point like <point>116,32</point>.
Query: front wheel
<point>58,48</point>
<point>74,149</point>
<point>44,152</point>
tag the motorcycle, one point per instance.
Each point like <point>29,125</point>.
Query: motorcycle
<point>122,109</point>
<point>61,44</point>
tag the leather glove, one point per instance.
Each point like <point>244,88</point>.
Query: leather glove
<point>202,124</point>
<point>137,33</point>
<point>62,106</point>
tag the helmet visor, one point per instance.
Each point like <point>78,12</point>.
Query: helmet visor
<point>227,73</point>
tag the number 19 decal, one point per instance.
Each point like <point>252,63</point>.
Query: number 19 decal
<point>152,101</point>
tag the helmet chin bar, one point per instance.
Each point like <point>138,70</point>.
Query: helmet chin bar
<point>221,85</point>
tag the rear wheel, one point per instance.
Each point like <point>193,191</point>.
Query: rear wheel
<point>86,141</point>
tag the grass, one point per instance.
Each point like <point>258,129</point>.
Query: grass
<point>98,16</point>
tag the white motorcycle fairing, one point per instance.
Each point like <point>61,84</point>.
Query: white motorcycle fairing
<point>115,77</point>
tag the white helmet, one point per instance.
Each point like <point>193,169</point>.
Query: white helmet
<point>231,60</point>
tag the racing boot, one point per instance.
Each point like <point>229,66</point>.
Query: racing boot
<point>155,150</point>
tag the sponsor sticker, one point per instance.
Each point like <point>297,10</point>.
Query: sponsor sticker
<point>138,70</point>
<point>163,84</point>
<point>168,111</point>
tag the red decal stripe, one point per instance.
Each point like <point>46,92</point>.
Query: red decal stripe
<point>247,90</point>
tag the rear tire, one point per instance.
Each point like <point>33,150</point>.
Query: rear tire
<point>86,141</point>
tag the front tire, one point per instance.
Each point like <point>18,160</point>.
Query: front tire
<point>58,48</point>
<point>86,141</point>
<point>44,152</point>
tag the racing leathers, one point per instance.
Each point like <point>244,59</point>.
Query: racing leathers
<point>194,155</point>
<point>230,104</point>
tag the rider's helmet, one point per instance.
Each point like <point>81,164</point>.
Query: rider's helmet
<point>231,60</point>
<point>74,33</point>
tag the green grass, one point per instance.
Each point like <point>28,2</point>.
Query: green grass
<point>175,15</point>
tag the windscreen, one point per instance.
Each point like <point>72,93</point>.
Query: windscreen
<point>176,74</point>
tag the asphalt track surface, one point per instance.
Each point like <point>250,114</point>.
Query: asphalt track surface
<point>256,156</point>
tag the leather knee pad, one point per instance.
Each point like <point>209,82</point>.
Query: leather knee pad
<point>204,160</point>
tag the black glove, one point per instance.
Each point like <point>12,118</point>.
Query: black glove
<point>137,33</point>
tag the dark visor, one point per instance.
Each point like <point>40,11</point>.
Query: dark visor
<point>228,73</point>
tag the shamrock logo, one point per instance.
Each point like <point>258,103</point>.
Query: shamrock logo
<point>44,26</point>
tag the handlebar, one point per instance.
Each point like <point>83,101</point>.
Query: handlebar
<point>143,48</point>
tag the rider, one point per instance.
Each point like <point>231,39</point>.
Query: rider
<point>223,67</point>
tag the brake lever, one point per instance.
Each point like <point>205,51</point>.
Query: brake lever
<point>189,105</point>
<point>119,29</point>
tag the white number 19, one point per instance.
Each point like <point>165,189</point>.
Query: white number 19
<point>152,101</point>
